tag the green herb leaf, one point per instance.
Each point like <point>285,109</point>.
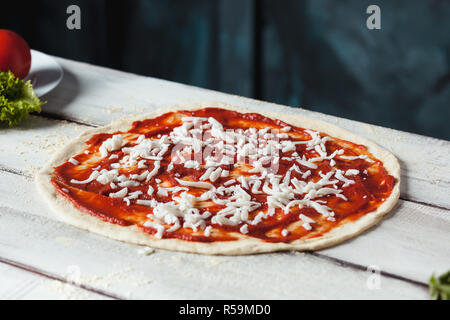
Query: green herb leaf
<point>440,287</point>
<point>17,99</point>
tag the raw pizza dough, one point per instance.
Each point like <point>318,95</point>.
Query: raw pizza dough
<point>69,214</point>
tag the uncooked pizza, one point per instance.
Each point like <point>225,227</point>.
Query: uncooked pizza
<point>222,180</point>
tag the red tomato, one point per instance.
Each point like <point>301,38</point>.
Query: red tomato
<point>15,55</point>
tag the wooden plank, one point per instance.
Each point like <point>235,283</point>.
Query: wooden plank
<point>30,235</point>
<point>115,267</point>
<point>17,284</point>
<point>96,95</point>
<point>26,148</point>
<point>412,241</point>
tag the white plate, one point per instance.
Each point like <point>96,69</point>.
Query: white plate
<point>45,73</point>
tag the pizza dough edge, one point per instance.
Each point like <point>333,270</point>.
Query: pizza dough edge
<point>66,212</point>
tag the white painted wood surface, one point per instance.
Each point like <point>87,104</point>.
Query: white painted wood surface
<point>17,284</point>
<point>408,246</point>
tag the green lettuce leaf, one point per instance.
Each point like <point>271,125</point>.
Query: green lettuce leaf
<point>17,99</point>
<point>440,287</point>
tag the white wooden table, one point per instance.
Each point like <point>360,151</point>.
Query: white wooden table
<point>41,257</point>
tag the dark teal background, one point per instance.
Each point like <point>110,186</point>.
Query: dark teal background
<point>317,54</point>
